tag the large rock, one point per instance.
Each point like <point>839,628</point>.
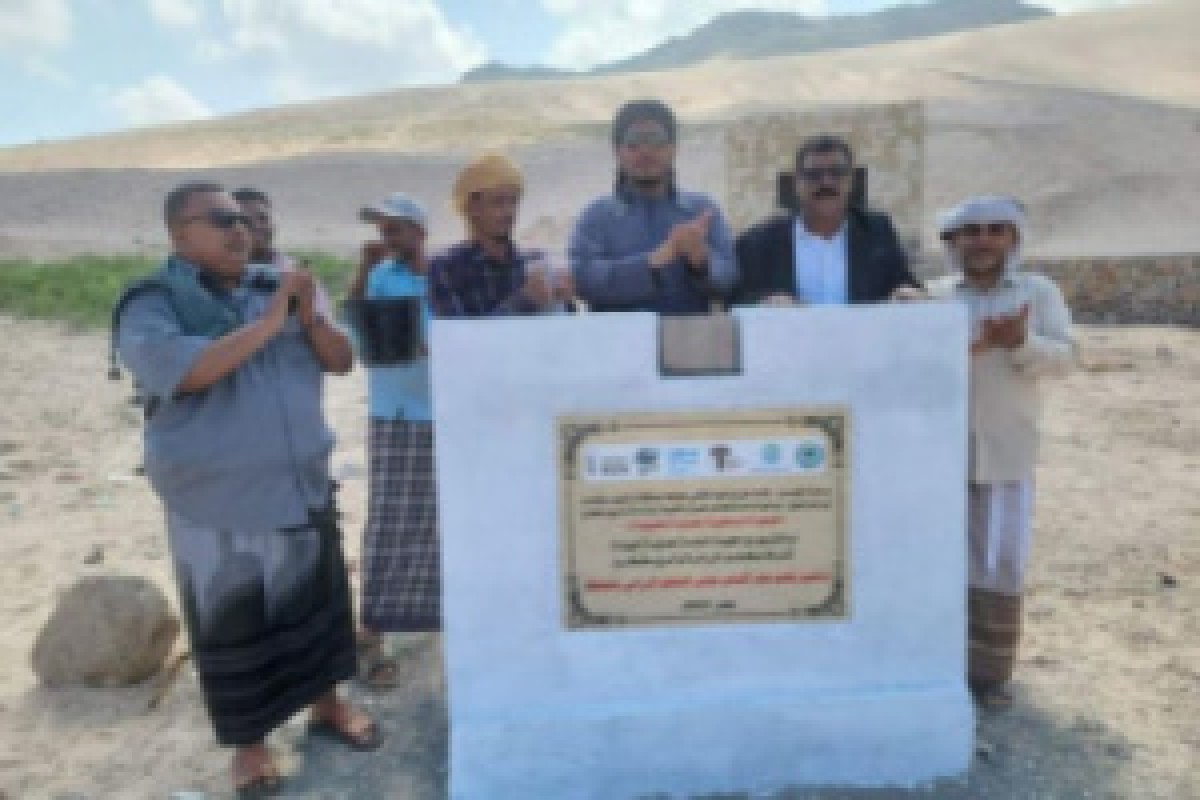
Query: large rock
<point>107,630</point>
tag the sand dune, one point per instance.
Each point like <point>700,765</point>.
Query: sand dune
<point>1102,175</point>
<point>1093,119</point>
<point>1142,51</point>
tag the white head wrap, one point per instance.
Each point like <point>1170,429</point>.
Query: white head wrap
<point>983,209</point>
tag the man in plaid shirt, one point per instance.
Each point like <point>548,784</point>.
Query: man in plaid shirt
<point>488,275</point>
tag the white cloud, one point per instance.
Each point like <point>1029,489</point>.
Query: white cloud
<point>28,26</point>
<point>176,13</point>
<point>31,32</point>
<point>155,100</point>
<point>310,48</point>
<point>598,31</point>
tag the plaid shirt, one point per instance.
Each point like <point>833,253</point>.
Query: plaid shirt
<point>464,282</point>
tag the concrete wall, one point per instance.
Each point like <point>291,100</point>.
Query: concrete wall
<point>541,711</point>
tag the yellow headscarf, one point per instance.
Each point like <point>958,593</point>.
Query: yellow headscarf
<point>488,171</point>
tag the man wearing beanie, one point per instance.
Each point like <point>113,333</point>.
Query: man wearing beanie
<point>487,274</point>
<point>1021,334</point>
<point>648,246</point>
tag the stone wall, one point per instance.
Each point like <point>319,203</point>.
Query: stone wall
<point>1146,290</point>
<point>888,139</point>
<point>1129,290</point>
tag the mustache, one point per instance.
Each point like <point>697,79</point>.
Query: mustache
<point>826,191</point>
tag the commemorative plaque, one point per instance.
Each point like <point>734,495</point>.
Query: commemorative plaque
<point>704,517</point>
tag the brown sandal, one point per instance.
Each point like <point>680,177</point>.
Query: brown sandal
<point>336,729</point>
<point>376,669</point>
<point>264,782</point>
<point>381,674</point>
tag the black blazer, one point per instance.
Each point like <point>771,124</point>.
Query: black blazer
<point>766,257</point>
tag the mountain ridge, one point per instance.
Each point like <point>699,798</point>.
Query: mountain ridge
<point>747,35</point>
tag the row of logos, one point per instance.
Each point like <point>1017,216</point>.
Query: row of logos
<point>705,459</point>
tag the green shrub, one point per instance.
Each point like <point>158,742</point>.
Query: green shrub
<point>82,290</point>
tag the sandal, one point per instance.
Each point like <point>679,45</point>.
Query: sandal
<point>266,782</point>
<point>376,669</point>
<point>381,674</point>
<point>368,740</point>
<point>261,787</point>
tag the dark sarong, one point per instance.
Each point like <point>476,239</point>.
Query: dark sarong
<point>993,632</point>
<point>269,617</point>
<point>401,562</point>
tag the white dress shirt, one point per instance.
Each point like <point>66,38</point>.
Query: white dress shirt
<point>821,266</point>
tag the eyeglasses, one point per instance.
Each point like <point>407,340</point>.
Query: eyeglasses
<point>220,219</point>
<point>817,174</point>
<point>645,138</point>
<point>973,229</point>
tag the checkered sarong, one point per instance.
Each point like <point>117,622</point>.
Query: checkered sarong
<point>401,586</point>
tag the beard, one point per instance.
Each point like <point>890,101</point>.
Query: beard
<point>646,182</point>
<point>500,234</point>
<point>986,268</point>
<point>983,263</point>
<point>406,254</point>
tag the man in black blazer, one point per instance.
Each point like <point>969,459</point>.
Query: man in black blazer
<point>829,253</point>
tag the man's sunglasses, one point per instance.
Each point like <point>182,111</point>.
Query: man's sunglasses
<point>646,138</point>
<point>991,229</point>
<point>817,174</point>
<point>220,219</point>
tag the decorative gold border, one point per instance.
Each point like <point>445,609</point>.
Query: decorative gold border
<point>575,430</point>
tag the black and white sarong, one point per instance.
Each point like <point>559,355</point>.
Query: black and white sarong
<point>401,564</point>
<point>269,616</point>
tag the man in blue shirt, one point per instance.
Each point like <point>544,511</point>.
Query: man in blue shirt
<point>401,586</point>
<point>650,246</point>
<point>238,451</point>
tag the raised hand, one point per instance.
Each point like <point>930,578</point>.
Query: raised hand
<point>687,240</point>
<point>306,297</point>
<point>691,238</point>
<point>537,288</point>
<point>908,294</point>
<point>1005,332</point>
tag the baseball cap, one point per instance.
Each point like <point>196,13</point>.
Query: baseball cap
<point>396,206</point>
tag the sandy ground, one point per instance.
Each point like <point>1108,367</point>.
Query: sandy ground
<point>1108,684</point>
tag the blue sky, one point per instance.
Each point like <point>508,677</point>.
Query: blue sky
<point>74,67</point>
